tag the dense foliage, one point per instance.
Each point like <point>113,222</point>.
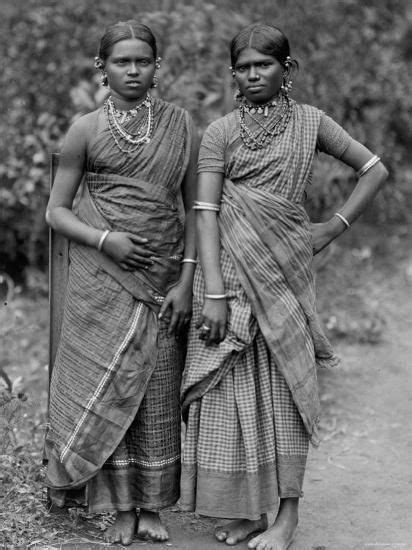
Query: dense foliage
<point>353,64</point>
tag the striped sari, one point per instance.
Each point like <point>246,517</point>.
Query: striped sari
<point>113,440</point>
<point>251,404</point>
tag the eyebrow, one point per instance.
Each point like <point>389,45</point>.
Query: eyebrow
<point>254,61</point>
<point>126,57</point>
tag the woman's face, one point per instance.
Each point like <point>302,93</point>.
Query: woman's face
<point>130,69</point>
<point>258,75</point>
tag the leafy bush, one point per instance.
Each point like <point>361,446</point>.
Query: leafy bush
<point>353,64</point>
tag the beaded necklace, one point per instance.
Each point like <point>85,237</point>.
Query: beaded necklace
<point>126,141</point>
<point>276,124</point>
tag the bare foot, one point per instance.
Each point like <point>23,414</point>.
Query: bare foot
<point>151,527</point>
<point>123,529</point>
<point>239,530</point>
<point>281,534</point>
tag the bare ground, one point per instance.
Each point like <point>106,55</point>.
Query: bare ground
<point>357,487</point>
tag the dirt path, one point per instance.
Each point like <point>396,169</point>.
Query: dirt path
<point>358,483</point>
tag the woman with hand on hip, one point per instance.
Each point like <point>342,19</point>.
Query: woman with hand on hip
<point>250,396</point>
<point>113,441</point>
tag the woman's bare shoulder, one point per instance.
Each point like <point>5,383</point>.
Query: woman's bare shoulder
<point>81,129</point>
<point>84,123</point>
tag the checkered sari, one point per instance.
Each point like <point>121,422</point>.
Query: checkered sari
<point>251,403</point>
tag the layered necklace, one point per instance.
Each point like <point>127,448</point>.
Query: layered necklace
<point>276,115</point>
<point>126,141</point>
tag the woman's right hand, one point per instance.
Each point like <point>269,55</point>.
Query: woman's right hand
<point>129,251</point>
<point>213,317</point>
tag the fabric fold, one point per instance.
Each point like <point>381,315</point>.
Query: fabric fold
<point>272,236</point>
<point>265,232</point>
<point>110,337</point>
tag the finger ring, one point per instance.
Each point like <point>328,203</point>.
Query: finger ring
<point>205,328</point>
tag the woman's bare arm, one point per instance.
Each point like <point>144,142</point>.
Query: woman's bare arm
<point>179,299</point>
<point>189,195</point>
<point>129,251</point>
<point>69,174</point>
<point>214,312</point>
<point>356,156</point>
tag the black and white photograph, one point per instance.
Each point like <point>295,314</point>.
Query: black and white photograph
<point>206,275</point>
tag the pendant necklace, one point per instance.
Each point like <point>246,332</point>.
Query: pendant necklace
<point>276,115</point>
<point>125,140</point>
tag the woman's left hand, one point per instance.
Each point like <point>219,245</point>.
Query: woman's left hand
<point>177,306</point>
<point>322,235</point>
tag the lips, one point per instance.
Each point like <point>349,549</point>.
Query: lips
<point>133,83</point>
<point>255,87</point>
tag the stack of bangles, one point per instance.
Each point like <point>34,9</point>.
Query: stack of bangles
<point>201,205</point>
<point>368,165</point>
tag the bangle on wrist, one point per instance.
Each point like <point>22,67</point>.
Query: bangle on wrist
<point>342,219</point>
<point>188,261</point>
<point>215,296</point>
<point>201,205</point>
<point>102,239</point>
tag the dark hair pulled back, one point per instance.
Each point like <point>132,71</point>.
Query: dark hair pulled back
<point>266,39</point>
<point>124,30</point>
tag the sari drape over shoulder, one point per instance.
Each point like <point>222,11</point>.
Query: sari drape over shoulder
<point>265,231</point>
<point>108,347</point>
<point>251,404</point>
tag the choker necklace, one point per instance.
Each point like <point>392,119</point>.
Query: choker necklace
<point>279,109</point>
<point>125,116</point>
<point>126,141</point>
<point>259,109</point>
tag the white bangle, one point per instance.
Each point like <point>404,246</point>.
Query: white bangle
<point>368,165</point>
<point>201,205</point>
<point>342,219</point>
<point>215,296</point>
<point>188,261</point>
<point>102,239</point>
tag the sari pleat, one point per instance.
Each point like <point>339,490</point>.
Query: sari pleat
<point>251,404</point>
<point>116,367</point>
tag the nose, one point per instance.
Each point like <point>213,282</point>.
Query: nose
<point>253,74</point>
<point>133,69</point>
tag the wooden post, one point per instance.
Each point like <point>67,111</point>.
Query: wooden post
<point>58,274</point>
